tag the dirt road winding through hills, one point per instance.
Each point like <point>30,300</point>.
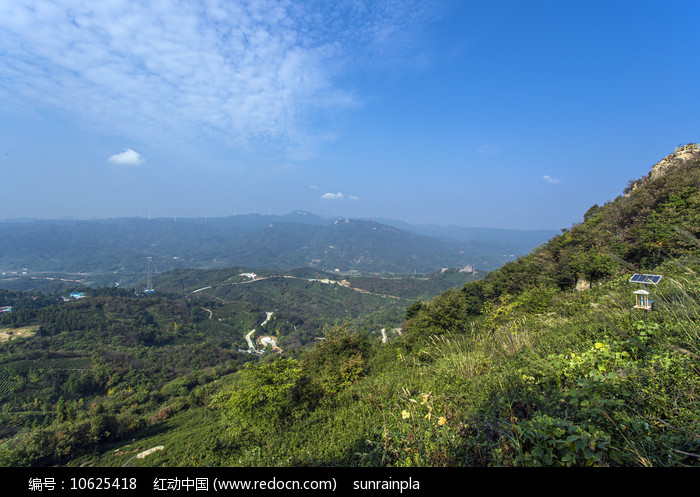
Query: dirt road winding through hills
<point>249,335</point>
<point>325,281</point>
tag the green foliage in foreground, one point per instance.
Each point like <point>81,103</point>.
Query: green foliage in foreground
<point>596,388</point>
<point>587,383</point>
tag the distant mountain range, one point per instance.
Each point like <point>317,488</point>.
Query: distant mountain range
<point>518,241</point>
<point>299,239</point>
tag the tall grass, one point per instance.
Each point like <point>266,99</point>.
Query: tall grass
<point>679,304</point>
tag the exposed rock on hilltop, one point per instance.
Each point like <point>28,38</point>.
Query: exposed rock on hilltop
<point>683,154</point>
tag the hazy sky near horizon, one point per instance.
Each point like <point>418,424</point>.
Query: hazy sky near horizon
<point>490,113</point>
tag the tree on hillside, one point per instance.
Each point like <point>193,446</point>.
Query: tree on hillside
<point>266,397</point>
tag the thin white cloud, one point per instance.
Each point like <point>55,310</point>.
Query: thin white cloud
<point>127,158</point>
<point>487,150</point>
<point>338,196</point>
<point>251,72</point>
<point>332,196</point>
<point>313,187</point>
<point>549,179</point>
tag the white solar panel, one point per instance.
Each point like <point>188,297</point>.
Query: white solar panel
<point>646,278</point>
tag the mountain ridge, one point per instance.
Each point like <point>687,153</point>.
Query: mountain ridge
<point>296,239</point>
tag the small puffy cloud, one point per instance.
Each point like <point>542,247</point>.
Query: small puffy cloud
<point>127,158</point>
<point>549,179</point>
<point>353,197</point>
<point>332,196</point>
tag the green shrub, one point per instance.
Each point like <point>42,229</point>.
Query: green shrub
<point>548,441</point>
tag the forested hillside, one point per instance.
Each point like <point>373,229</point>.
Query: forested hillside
<point>544,362</point>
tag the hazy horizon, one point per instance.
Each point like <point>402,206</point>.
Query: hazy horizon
<point>499,114</point>
<point>174,218</point>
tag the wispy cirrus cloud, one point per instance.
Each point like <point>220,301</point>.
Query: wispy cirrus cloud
<point>487,150</point>
<point>248,71</point>
<point>127,158</point>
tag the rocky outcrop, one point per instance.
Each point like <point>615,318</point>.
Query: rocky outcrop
<point>582,284</point>
<point>681,155</point>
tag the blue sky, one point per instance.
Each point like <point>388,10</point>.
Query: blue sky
<point>508,114</point>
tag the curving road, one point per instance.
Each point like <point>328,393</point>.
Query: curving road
<point>249,335</point>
